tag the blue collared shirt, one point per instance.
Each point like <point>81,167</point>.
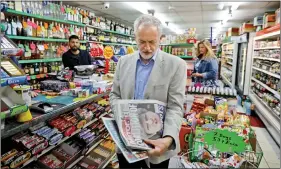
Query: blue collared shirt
<point>142,74</point>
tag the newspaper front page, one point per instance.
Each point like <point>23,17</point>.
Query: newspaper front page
<point>131,156</point>
<point>138,120</point>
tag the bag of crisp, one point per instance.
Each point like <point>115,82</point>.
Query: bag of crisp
<point>221,104</point>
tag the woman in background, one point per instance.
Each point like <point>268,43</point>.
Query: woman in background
<point>206,66</point>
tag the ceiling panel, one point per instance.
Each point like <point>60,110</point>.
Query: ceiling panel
<point>209,7</point>
<point>188,9</point>
<point>187,4</point>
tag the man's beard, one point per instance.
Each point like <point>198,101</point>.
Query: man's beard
<point>74,49</point>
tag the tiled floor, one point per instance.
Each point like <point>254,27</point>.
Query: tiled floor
<point>271,152</point>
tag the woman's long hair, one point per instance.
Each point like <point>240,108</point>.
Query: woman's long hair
<point>210,54</point>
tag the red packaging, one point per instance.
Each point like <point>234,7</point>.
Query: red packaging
<point>183,136</point>
<point>69,131</point>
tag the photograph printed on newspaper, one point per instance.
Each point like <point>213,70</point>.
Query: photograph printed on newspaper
<point>131,156</point>
<point>138,120</point>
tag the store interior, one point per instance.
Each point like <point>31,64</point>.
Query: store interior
<point>51,117</point>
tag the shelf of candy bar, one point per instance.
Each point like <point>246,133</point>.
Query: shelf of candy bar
<point>62,156</point>
<point>210,115</point>
<point>44,137</point>
<point>217,91</point>
<point>100,156</point>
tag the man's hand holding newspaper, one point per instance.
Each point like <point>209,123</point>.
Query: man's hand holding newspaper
<point>160,146</point>
<point>140,125</point>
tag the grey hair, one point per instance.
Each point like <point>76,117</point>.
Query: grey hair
<point>148,20</point>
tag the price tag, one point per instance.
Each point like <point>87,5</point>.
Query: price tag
<point>225,141</point>
<point>108,52</point>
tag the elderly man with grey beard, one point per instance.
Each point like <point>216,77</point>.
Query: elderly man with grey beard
<point>152,74</point>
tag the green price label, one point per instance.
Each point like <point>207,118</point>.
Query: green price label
<point>18,110</point>
<point>225,141</point>
<point>2,115</point>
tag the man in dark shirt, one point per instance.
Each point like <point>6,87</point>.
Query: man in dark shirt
<point>75,56</point>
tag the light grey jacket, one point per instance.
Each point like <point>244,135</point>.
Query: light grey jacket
<point>166,83</point>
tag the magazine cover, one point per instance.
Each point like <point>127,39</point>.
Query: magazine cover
<point>138,120</point>
<point>131,156</point>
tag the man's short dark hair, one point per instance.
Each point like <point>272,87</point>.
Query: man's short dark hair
<point>73,37</point>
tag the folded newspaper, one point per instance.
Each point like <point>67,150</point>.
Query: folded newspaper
<point>138,120</point>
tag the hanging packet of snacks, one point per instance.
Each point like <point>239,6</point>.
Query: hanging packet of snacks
<point>130,50</point>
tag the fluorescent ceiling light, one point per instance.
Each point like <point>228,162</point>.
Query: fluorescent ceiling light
<point>143,7</point>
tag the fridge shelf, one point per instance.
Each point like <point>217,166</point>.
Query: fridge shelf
<point>229,63</point>
<point>272,35</point>
<point>267,72</point>
<point>267,87</point>
<point>266,115</point>
<point>268,48</point>
<point>270,59</point>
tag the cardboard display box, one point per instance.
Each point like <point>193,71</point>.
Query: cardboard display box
<point>233,31</point>
<point>258,20</point>
<point>247,27</point>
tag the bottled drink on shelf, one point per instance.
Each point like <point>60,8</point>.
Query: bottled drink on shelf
<point>36,69</point>
<point>14,26</point>
<point>26,70</point>
<point>31,70</point>
<point>24,27</point>
<point>53,67</point>
<point>39,29</point>
<point>29,27</point>
<point>19,27</point>
<point>49,67</point>
<point>34,28</point>
<point>45,68</point>
<point>9,26</point>
<point>41,68</point>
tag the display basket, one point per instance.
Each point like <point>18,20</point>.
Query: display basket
<point>252,158</point>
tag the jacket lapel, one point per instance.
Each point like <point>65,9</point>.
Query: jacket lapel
<point>156,71</point>
<point>132,75</point>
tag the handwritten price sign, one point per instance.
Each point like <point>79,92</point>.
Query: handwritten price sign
<point>225,141</point>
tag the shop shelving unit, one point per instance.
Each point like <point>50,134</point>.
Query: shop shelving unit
<point>110,31</point>
<point>269,116</point>
<point>11,11</point>
<point>40,39</point>
<point>228,61</point>
<point>41,60</point>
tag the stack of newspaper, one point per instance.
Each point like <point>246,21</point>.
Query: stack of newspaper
<point>134,121</point>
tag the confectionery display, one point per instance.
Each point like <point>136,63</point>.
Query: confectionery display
<point>219,115</point>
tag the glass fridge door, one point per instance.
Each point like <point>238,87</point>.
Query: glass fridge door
<point>241,67</point>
